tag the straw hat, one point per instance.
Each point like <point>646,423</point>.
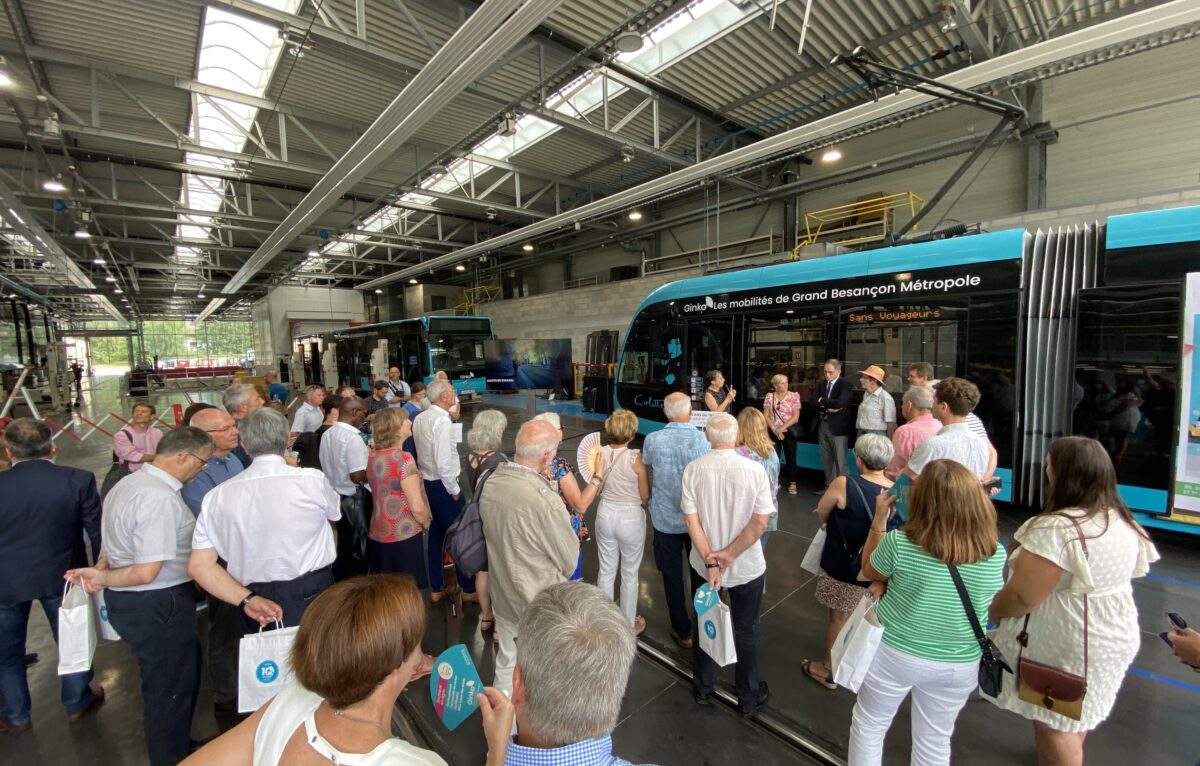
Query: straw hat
<point>876,372</point>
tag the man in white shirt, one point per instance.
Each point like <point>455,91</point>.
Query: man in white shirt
<point>877,411</point>
<point>437,459</point>
<point>953,400</point>
<point>147,534</point>
<point>398,390</point>
<point>309,415</point>
<point>344,457</point>
<point>273,525</point>
<point>726,505</point>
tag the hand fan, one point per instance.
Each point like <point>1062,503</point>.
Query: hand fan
<point>588,455</point>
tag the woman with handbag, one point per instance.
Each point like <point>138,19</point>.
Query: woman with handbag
<point>1066,614</point>
<point>782,408</point>
<point>930,645</point>
<point>133,445</point>
<point>847,509</point>
<point>753,443</point>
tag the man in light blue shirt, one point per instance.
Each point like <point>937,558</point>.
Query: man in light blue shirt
<point>573,637</point>
<point>667,453</point>
<point>222,466</point>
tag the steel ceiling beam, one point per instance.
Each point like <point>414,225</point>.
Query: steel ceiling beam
<point>487,34</point>
<point>1068,48</point>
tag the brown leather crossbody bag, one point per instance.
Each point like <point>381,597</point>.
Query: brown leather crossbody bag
<point>1050,687</point>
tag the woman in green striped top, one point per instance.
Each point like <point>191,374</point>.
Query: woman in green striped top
<point>928,646</point>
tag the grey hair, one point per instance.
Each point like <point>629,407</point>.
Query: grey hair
<point>236,397</point>
<point>264,432</point>
<point>875,451</point>
<point>920,397</point>
<point>722,428</point>
<point>28,439</point>
<point>487,431</point>
<point>676,406</point>
<point>575,652</point>
<point>436,389</point>
<point>313,389</point>
<point>184,439</point>
<point>837,363</point>
<point>535,439</point>
<point>549,417</point>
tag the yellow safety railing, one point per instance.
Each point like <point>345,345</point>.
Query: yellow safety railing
<point>475,296</point>
<point>867,220</point>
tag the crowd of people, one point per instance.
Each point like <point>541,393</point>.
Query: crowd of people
<point>337,522</point>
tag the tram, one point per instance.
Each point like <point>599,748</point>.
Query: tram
<point>1077,330</point>
<point>419,347</point>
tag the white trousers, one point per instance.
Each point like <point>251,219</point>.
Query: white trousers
<point>506,655</point>
<point>621,539</point>
<point>939,691</point>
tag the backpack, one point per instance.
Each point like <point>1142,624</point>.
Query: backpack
<point>464,538</point>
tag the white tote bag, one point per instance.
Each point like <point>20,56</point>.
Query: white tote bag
<point>856,645</point>
<point>107,631</point>
<point>716,634</point>
<point>812,557</point>
<point>263,667</point>
<point>76,631</point>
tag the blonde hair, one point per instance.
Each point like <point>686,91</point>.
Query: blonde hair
<point>752,431</point>
<point>386,425</point>
<point>950,516</point>
<point>778,377</point>
<point>621,427</point>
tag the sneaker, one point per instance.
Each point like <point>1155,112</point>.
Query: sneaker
<point>764,694</point>
<point>703,700</point>
<point>639,625</point>
<point>6,727</point>
<point>91,707</point>
<point>685,642</point>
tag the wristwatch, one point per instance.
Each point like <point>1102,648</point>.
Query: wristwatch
<point>246,600</point>
<point>713,565</point>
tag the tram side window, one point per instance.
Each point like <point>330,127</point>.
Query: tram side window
<point>1127,379</point>
<point>709,347</point>
<point>896,337</point>
<point>653,351</point>
<point>785,344</point>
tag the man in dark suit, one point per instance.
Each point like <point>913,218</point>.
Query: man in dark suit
<point>833,406</point>
<point>45,510</point>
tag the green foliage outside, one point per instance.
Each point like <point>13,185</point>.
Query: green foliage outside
<point>175,340</point>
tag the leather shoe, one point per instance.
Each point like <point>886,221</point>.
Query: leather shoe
<point>703,700</point>
<point>91,707</point>
<point>684,642</point>
<point>764,694</point>
<point>6,727</point>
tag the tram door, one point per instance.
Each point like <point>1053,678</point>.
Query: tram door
<point>709,347</point>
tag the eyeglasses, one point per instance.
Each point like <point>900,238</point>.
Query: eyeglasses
<point>221,430</point>
<point>203,461</point>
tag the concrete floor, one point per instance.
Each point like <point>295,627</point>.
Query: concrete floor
<point>660,723</point>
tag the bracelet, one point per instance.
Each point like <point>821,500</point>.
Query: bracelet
<point>713,565</point>
<point>596,481</point>
<point>246,600</point>
<point>873,530</point>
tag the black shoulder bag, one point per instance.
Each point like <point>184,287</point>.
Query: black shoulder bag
<point>118,471</point>
<point>992,665</point>
<point>856,557</point>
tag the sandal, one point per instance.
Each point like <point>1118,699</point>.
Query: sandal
<point>792,488</point>
<point>827,682</point>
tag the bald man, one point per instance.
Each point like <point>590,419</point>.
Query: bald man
<point>344,457</point>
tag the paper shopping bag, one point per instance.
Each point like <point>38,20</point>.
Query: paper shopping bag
<point>812,557</point>
<point>263,667</point>
<point>76,632</point>
<point>856,645</point>
<point>716,634</point>
<point>100,609</point>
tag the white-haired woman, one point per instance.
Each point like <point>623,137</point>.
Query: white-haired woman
<point>782,408</point>
<point>484,438</point>
<point>577,501</point>
<point>846,509</point>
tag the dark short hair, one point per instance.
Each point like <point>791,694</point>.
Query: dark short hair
<point>330,403</point>
<point>355,633</point>
<point>417,387</point>
<point>147,405</point>
<point>924,369</point>
<point>959,394</point>
<point>28,438</point>
<point>710,376</point>
<point>192,409</point>
<point>184,439</point>
<point>379,385</point>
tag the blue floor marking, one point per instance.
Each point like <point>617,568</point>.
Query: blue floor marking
<point>1173,581</point>
<point>1165,680</point>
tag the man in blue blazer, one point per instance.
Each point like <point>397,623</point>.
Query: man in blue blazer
<point>44,511</point>
<point>834,394</point>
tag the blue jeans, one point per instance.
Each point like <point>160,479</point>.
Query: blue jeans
<point>14,688</point>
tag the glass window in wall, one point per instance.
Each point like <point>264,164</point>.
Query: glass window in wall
<point>709,347</point>
<point>184,344</point>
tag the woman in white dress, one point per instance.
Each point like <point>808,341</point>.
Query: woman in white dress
<point>1050,576</point>
<point>358,646</point>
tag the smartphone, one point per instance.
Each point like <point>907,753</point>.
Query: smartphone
<point>1176,620</point>
<point>1166,637</point>
<point>995,483</point>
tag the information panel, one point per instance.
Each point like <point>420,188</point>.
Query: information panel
<point>1187,456</point>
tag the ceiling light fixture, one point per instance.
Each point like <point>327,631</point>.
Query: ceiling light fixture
<point>527,247</point>
<point>98,261</point>
<point>82,233</point>
<point>110,278</point>
<point>6,80</point>
<point>118,291</point>
<point>629,41</point>
<point>635,215</point>
<point>378,291</point>
<point>412,281</point>
<point>831,155</point>
<point>460,267</point>
<point>54,186</point>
